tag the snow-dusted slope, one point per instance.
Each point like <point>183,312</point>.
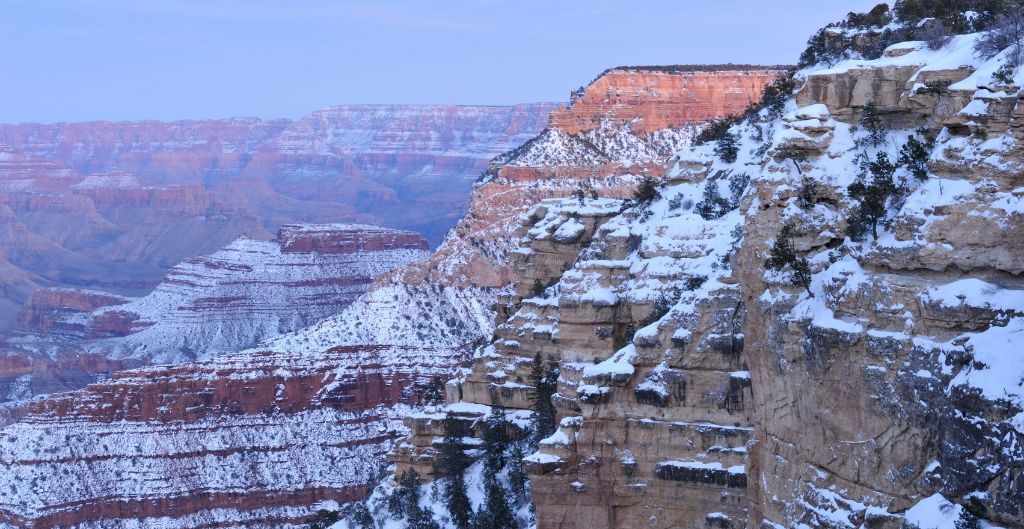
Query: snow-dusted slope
<point>414,323</point>
<point>247,292</point>
<point>720,370</point>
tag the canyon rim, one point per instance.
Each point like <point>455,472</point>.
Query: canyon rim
<point>716,296</point>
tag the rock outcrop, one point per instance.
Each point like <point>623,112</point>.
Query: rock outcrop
<point>903,361</point>
<point>249,439</point>
<point>746,351</point>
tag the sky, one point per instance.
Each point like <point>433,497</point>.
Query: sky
<point>78,60</point>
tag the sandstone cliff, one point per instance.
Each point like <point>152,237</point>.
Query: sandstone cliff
<point>862,381</point>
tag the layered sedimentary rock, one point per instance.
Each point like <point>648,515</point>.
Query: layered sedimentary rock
<point>703,385</point>
<point>247,292</point>
<point>653,399</point>
<point>905,359</point>
<point>655,98</point>
<point>426,318</point>
<point>112,205</point>
<point>596,145</point>
<point>249,439</point>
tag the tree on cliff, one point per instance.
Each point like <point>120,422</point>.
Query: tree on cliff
<point>712,205</point>
<point>647,191</point>
<point>453,467</point>
<point>872,123</point>
<point>495,440</point>
<point>966,520</point>
<point>728,148</point>
<point>914,156</point>
<point>361,516</point>
<point>543,380</point>
<point>873,193</point>
<point>322,519</point>
<point>784,255</point>
<point>495,513</point>
<point>1006,33</point>
<point>516,477</point>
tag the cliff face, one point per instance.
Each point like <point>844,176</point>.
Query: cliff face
<point>905,360</point>
<point>598,143</point>
<point>283,412</point>
<point>654,99</point>
<point>875,384</point>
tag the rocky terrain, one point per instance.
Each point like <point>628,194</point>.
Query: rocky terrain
<point>243,440</point>
<point>248,292</point>
<point>112,206</point>
<point>286,407</point>
<point>814,322</point>
<point>805,315</point>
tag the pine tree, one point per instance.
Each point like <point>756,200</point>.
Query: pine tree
<point>712,206</point>
<point>967,521</point>
<point>322,519</point>
<point>453,467</point>
<point>544,383</point>
<point>423,520</point>
<point>404,502</point>
<point>738,183</point>
<point>361,516</point>
<point>516,477</point>
<point>647,191</point>
<point>805,196</point>
<point>794,154</point>
<point>433,391</point>
<point>495,440</point>
<point>783,255</point>
<point>728,148</point>
<point>873,194</point>
<point>914,156</point>
<point>495,513</point>
<point>872,123</point>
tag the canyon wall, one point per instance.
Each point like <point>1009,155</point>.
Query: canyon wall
<point>251,439</point>
<point>112,206</point>
<point>284,436</point>
<point>863,381</point>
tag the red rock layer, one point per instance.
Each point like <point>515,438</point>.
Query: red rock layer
<point>266,409</point>
<point>662,107</point>
<point>655,99</point>
<point>48,309</point>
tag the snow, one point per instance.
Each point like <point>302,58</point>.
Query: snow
<point>975,292</point>
<point>618,364</point>
<point>248,292</point>
<point>934,512</point>
<point>817,111</point>
<point>543,459</point>
<point>571,229</point>
<point>998,350</point>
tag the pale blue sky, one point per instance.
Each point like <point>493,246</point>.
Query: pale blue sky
<point>73,60</point>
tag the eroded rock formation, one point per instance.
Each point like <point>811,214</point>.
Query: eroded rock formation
<point>283,445</point>
<point>705,383</point>
<point>111,206</point>
<point>248,292</point>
